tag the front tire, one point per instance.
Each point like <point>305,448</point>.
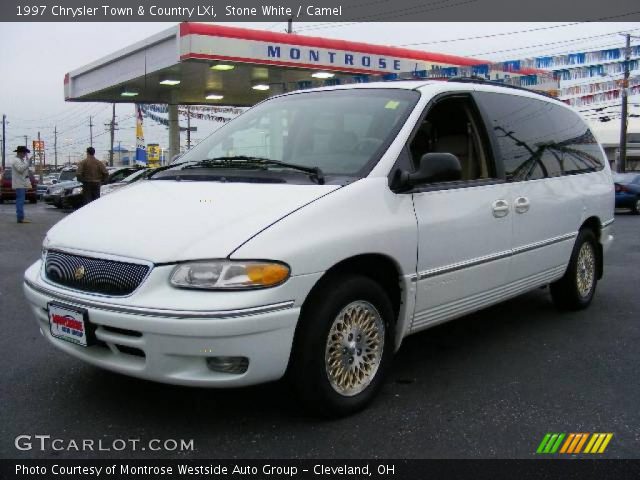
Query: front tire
<point>636,207</point>
<point>344,345</point>
<point>575,290</point>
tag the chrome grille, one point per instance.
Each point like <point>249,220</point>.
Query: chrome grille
<point>106,277</point>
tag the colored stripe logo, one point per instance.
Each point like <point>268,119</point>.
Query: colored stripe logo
<point>573,443</point>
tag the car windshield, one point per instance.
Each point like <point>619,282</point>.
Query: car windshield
<point>339,133</point>
<point>67,175</point>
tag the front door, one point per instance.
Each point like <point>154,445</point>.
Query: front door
<point>464,227</point>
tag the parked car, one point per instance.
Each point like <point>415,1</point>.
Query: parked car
<point>8,193</point>
<point>66,178</point>
<point>54,194</point>
<point>71,195</point>
<point>627,186</point>
<point>43,186</point>
<point>315,231</point>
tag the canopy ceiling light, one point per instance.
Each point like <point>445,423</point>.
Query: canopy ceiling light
<point>214,96</point>
<point>129,92</point>
<point>169,81</point>
<point>260,86</point>
<point>322,75</point>
<point>222,67</point>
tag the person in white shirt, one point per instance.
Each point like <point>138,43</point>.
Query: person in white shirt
<point>20,181</point>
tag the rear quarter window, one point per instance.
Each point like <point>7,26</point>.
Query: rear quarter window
<point>537,138</point>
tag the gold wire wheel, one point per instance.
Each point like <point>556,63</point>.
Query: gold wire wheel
<point>586,269</point>
<point>354,348</point>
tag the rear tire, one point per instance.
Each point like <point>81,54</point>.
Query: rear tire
<point>33,200</point>
<point>636,207</point>
<point>343,346</point>
<point>575,290</point>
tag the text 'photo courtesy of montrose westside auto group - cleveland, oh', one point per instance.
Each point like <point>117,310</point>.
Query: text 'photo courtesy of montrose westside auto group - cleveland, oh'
<point>307,240</point>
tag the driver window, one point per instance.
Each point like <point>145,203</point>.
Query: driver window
<point>451,127</point>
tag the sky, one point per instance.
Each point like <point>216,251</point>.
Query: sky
<point>34,58</point>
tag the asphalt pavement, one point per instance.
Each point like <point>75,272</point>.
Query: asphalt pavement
<point>489,385</point>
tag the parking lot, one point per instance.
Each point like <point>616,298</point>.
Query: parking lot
<point>489,385</point>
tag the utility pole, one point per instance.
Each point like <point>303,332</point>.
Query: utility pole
<point>188,128</point>
<point>39,164</point>
<point>26,143</point>
<point>4,139</point>
<point>622,166</point>
<point>55,147</point>
<point>112,130</point>
<point>90,132</point>
<point>290,25</point>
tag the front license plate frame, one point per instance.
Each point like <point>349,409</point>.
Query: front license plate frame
<point>70,324</point>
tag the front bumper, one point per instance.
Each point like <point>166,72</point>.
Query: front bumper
<point>51,198</point>
<point>606,236</point>
<point>72,201</point>
<point>172,346</point>
<point>625,200</point>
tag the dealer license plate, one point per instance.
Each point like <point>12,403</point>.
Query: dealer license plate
<point>70,324</point>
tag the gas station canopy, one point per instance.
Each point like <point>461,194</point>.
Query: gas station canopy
<point>237,66</point>
<point>207,64</point>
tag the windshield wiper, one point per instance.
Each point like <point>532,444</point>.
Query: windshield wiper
<point>244,160</point>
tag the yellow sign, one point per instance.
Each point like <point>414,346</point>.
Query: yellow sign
<point>153,154</point>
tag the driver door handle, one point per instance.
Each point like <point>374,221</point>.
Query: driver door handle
<point>522,205</point>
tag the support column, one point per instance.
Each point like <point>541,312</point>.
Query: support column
<point>174,132</point>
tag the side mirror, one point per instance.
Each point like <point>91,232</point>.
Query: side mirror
<point>434,167</point>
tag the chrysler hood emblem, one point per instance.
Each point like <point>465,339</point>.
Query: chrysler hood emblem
<point>79,272</point>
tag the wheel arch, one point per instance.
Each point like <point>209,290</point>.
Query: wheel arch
<point>593,223</point>
<point>380,268</point>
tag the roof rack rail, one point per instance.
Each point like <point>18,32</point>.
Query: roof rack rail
<point>483,81</point>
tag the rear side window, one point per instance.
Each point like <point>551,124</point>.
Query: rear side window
<point>539,139</point>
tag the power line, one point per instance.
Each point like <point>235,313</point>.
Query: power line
<point>555,52</point>
<point>570,41</point>
<point>92,109</point>
<point>516,32</point>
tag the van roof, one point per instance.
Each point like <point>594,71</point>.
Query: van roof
<point>441,86</point>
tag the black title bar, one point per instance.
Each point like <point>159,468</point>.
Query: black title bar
<point>316,10</point>
<point>321,469</point>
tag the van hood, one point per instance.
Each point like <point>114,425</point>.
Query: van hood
<point>167,221</point>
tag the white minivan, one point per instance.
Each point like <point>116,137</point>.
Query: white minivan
<point>313,233</point>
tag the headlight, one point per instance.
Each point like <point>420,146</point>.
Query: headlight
<point>229,275</point>
<point>45,244</point>
<point>76,191</point>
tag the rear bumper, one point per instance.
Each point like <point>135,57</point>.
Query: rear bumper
<point>173,347</point>
<point>10,194</point>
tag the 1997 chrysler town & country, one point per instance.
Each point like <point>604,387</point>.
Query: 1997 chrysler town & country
<point>313,233</point>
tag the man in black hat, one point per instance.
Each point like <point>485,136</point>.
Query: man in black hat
<point>20,181</point>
